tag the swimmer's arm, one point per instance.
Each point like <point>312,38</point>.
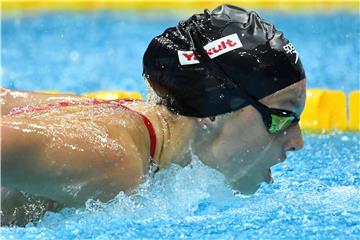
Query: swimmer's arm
<point>70,177</point>
<point>13,98</point>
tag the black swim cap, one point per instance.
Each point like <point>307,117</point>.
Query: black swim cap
<point>182,65</point>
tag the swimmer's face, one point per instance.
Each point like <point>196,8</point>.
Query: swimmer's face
<point>244,151</point>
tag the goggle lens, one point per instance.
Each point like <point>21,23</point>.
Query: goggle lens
<point>280,123</point>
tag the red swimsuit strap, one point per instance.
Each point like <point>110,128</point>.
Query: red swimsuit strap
<point>154,167</point>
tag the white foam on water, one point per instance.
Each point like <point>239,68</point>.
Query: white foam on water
<point>174,192</point>
<point>312,196</point>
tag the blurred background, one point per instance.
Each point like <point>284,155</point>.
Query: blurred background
<point>85,46</point>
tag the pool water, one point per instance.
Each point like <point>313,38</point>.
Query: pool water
<point>316,194</point>
<point>85,52</point>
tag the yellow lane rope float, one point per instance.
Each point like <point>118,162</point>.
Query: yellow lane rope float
<point>354,110</point>
<point>325,110</point>
<point>175,5</point>
<point>55,92</point>
<point>328,109</point>
<point>112,95</point>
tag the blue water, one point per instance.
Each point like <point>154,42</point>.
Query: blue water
<point>316,194</point>
<point>84,52</point>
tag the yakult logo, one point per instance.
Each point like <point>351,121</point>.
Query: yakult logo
<point>213,49</point>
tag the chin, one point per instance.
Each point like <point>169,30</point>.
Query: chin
<point>247,189</point>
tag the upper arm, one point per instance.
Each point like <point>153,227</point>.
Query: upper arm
<point>67,163</point>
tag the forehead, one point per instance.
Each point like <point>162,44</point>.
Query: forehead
<point>294,94</point>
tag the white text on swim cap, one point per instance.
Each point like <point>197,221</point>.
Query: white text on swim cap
<point>290,49</point>
<point>213,49</point>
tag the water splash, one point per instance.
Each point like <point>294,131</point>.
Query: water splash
<point>316,195</point>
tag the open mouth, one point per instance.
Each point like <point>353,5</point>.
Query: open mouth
<point>269,178</point>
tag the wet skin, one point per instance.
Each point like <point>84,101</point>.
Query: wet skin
<point>237,144</point>
<point>244,151</point>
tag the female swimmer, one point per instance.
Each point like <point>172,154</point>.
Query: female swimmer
<point>226,86</point>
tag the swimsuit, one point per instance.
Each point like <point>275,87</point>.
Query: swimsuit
<point>153,166</point>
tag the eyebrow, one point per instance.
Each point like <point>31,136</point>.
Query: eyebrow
<point>290,101</point>
<point>293,96</point>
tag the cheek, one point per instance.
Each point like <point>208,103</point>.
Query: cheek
<point>248,132</point>
<point>244,144</point>
<point>239,137</point>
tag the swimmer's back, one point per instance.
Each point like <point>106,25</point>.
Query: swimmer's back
<point>81,149</point>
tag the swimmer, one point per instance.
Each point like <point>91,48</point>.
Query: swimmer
<point>225,85</point>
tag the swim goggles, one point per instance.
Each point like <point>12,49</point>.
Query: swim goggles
<point>275,120</point>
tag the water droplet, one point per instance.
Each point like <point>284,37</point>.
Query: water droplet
<point>74,56</point>
<point>344,138</point>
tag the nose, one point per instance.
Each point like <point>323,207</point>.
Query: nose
<point>294,139</point>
